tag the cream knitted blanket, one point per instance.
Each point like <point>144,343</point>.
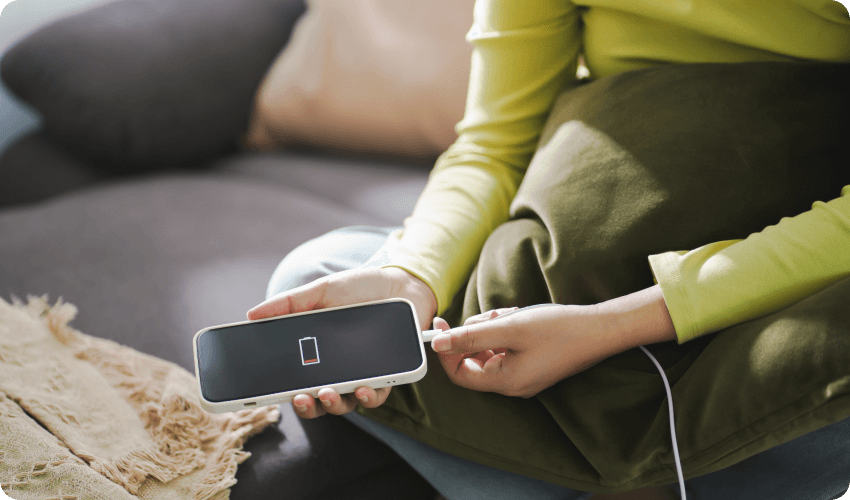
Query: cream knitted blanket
<point>82,417</point>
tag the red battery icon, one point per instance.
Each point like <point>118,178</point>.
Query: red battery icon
<point>309,351</point>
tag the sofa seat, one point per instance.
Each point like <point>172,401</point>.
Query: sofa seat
<point>151,259</point>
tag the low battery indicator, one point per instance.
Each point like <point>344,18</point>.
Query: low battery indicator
<point>309,351</point>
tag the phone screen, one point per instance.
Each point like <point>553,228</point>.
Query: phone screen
<point>299,352</point>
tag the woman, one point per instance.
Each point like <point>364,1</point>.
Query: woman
<point>523,56</point>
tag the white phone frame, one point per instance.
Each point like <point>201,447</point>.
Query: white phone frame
<point>341,388</point>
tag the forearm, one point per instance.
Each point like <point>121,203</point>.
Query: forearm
<point>442,240</point>
<point>419,293</point>
<point>639,318</point>
<point>726,283</point>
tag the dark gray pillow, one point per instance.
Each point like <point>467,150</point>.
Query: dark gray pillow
<point>149,83</point>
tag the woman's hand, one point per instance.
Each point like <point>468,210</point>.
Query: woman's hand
<point>340,289</point>
<point>530,350</point>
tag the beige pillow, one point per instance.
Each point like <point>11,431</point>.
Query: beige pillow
<point>377,76</point>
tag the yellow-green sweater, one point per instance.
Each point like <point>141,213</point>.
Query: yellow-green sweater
<point>523,54</point>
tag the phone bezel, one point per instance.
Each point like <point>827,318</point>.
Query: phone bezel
<point>341,388</point>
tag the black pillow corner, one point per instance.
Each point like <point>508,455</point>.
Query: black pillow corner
<point>150,83</point>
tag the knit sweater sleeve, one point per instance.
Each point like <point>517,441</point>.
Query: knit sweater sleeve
<point>729,282</point>
<point>522,57</point>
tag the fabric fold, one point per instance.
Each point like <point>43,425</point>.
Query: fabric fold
<point>639,164</point>
<point>132,418</point>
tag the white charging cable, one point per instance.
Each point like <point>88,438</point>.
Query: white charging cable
<point>672,423</point>
<point>428,336</point>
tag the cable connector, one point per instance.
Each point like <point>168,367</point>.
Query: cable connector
<point>428,335</point>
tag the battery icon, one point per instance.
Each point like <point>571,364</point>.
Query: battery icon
<point>309,351</point>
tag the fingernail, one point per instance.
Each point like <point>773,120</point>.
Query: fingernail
<point>299,406</point>
<point>441,343</point>
<point>325,403</point>
<point>363,399</point>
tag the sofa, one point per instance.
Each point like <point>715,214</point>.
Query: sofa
<point>151,254</point>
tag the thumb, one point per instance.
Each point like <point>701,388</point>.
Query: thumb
<point>304,298</point>
<point>441,324</point>
<point>472,338</point>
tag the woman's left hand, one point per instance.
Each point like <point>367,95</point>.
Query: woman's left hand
<point>530,350</point>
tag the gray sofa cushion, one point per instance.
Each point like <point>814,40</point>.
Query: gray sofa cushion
<point>146,83</point>
<point>20,18</point>
<point>384,189</point>
<point>151,260</point>
<point>34,168</point>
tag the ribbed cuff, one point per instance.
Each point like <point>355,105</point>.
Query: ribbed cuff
<point>665,269</point>
<point>393,255</point>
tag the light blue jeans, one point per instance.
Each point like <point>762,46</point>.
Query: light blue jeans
<point>812,467</point>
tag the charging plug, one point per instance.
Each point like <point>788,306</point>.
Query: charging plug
<point>428,335</point>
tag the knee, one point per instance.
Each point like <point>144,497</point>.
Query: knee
<point>301,266</point>
<point>336,251</point>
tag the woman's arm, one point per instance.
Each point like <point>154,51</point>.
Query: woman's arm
<point>704,290</point>
<point>522,57</point>
<point>523,353</point>
<point>729,282</point>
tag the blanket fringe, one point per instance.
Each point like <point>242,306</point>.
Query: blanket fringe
<point>186,436</point>
<point>132,469</point>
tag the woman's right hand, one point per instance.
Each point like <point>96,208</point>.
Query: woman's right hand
<point>340,289</point>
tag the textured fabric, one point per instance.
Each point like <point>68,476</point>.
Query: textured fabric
<point>132,419</point>
<point>621,174</point>
<point>522,58</point>
<point>141,84</point>
<point>380,76</point>
<point>40,461</point>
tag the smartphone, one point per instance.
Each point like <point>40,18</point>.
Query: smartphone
<point>270,361</point>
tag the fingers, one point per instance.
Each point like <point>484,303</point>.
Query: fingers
<point>345,287</point>
<point>472,338</point>
<point>329,401</point>
<point>440,324</point>
<point>372,398</point>
<point>486,371</point>
<point>306,407</point>
<point>303,298</point>
<point>336,404</point>
<point>474,355</point>
<point>488,315</point>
